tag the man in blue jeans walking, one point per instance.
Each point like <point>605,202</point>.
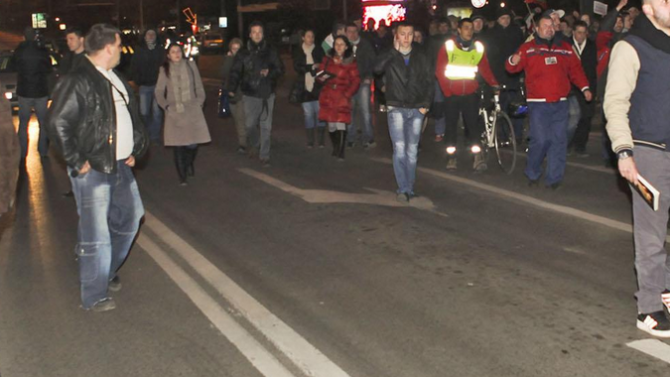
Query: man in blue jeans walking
<point>144,68</point>
<point>365,56</point>
<point>100,140</point>
<point>409,84</point>
<point>551,67</point>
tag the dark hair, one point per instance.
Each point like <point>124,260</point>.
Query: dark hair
<point>404,24</point>
<point>443,20</point>
<point>350,24</point>
<point>464,20</point>
<point>99,37</point>
<point>545,17</point>
<point>256,24</point>
<point>337,26</point>
<point>582,24</point>
<point>347,53</point>
<point>166,62</point>
<point>76,31</point>
<point>304,32</point>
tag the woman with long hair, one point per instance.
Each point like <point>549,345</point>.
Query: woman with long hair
<point>180,93</point>
<point>306,61</point>
<point>340,83</point>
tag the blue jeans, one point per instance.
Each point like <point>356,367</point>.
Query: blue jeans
<point>438,104</point>
<point>110,209</point>
<point>151,112</point>
<point>574,113</point>
<point>405,129</point>
<point>25,106</point>
<point>361,103</point>
<point>311,111</point>
<point>548,137</point>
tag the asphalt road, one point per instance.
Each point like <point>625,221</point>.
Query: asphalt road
<point>310,267</point>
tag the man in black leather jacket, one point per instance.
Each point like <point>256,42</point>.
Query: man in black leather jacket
<point>408,84</point>
<point>95,121</point>
<point>256,69</point>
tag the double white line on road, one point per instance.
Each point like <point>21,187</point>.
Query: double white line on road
<point>302,354</point>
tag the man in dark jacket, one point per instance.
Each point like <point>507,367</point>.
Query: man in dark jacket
<point>95,121</point>
<point>144,69</point>
<point>434,45</point>
<point>503,40</point>
<point>365,60</point>
<point>256,69</point>
<point>33,64</point>
<point>638,121</point>
<point>408,81</point>
<point>585,49</point>
<point>75,43</point>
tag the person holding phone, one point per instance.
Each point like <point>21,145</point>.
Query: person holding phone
<point>409,84</point>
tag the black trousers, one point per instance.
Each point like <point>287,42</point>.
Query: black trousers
<point>468,106</point>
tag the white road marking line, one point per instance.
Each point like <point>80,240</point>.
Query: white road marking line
<point>526,199</point>
<point>304,355</point>
<point>652,347</point>
<point>378,197</point>
<point>257,355</point>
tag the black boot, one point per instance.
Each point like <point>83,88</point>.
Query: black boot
<point>179,161</point>
<point>310,137</point>
<point>342,136</point>
<point>321,133</point>
<point>191,154</point>
<point>335,140</point>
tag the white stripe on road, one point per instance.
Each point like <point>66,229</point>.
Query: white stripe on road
<point>257,355</point>
<point>305,356</point>
<point>652,347</point>
<point>525,199</point>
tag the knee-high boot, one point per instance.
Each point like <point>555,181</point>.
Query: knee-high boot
<point>335,140</point>
<point>310,137</point>
<point>191,154</point>
<point>180,163</point>
<point>341,144</point>
<point>320,132</point>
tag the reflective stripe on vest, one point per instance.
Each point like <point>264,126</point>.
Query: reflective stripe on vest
<point>463,64</point>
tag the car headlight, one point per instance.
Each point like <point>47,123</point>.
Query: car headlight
<point>9,95</point>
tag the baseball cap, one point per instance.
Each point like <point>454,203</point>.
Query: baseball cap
<point>549,12</point>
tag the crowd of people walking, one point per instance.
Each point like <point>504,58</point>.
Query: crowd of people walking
<point>562,65</point>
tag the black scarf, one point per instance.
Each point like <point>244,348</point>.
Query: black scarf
<point>643,28</point>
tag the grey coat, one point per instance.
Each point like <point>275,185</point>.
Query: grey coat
<point>190,126</point>
<point>9,157</point>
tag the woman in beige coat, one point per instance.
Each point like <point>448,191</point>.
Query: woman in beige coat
<point>180,93</point>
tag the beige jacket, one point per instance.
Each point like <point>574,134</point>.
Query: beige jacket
<point>188,127</point>
<point>624,67</point>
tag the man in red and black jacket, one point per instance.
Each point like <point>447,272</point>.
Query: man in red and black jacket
<point>459,62</point>
<point>550,68</point>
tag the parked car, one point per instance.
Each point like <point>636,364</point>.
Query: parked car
<point>212,42</point>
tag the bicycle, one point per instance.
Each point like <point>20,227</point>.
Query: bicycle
<point>498,133</point>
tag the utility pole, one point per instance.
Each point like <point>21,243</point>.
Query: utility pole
<point>240,19</point>
<point>178,13</point>
<point>118,14</point>
<point>344,10</point>
<point>141,15</point>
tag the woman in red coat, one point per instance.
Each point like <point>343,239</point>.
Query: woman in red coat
<point>338,89</point>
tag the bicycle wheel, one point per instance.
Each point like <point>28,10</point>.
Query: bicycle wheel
<point>505,142</point>
<point>484,140</point>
